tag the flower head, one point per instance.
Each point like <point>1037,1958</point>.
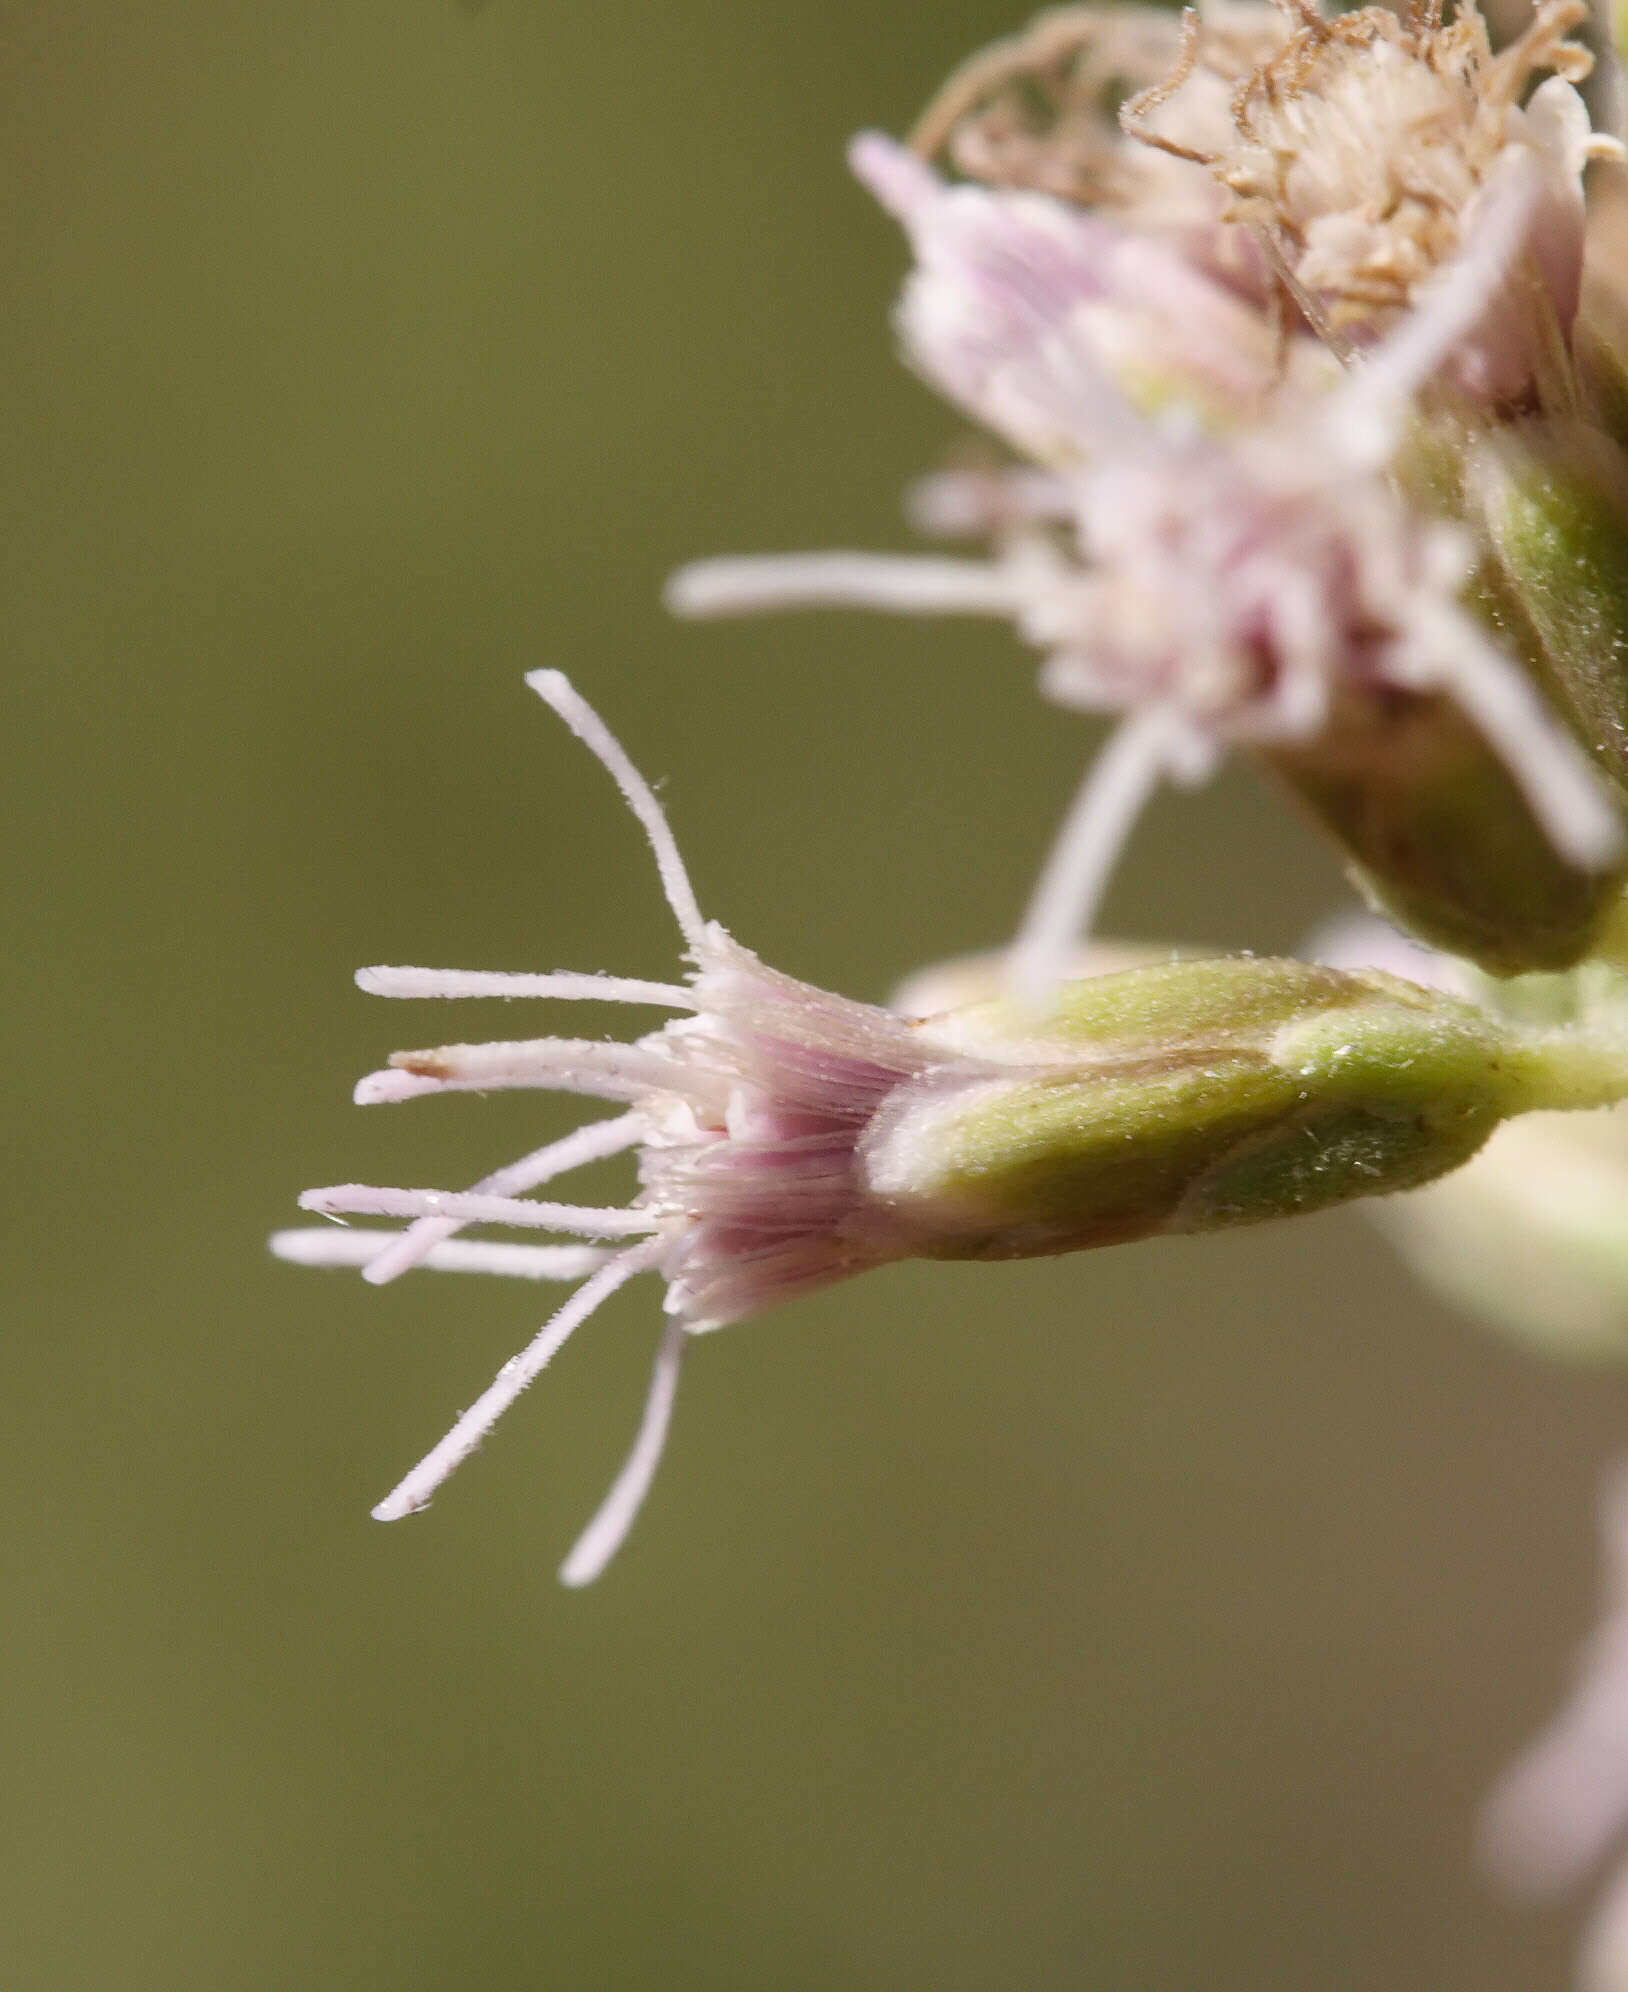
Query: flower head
<point>787,1138</point>
<point>1258,582</point>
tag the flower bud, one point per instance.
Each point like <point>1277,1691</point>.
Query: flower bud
<point>1199,1095</point>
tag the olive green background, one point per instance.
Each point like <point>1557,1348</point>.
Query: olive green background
<point>1150,1619</point>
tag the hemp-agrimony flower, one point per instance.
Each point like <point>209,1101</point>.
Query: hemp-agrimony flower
<point>1252,335</point>
<point>1253,580</point>
<point>787,1138</point>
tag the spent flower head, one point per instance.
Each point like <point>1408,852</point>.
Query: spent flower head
<point>1361,149</point>
<point>1039,110</point>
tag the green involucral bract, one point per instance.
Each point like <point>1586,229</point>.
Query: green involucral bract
<point>1200,1095</point>
<point>1553,503</point>
<point>1441,837</point>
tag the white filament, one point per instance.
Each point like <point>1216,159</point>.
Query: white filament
<point>601,1068</point>
<point>1076,872</point>
<point>556,690</point>
<point>899,584</point>
<point>391,1088</point>
<point>592,1143</point>
<point>563,986</point>
<point>369,1200</point>
<point>333,1245</point>
<point>606,1533</point>
<point>415,1490</point>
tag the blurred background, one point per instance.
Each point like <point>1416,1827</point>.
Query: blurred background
<point>1153,1618</point>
